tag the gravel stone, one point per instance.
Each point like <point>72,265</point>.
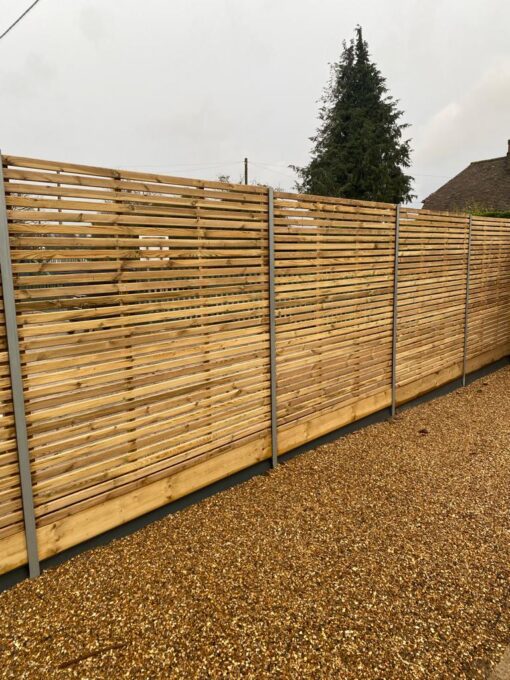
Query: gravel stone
<point>385,554</point>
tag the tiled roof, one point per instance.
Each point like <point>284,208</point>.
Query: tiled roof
<point>483,184</point>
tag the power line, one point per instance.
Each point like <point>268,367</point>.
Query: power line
<point>186,165</point>
<point>179,165</point>
<point>421,174</point>
<point>274,169</point>
<point>282,166</point>
<point>278,168</point>
<point>18,19</point>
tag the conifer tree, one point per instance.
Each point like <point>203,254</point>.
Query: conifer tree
<point>358,151</point>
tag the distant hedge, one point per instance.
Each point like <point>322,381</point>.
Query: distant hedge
<point>492,213</point>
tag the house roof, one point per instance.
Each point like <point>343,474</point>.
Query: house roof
<point>484,184</point>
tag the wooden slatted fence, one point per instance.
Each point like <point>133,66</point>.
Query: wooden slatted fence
<point>11,516</point>
<point>143,319</point>
<point>334,291</point>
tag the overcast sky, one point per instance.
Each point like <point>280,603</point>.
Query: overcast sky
<point>190,87</point>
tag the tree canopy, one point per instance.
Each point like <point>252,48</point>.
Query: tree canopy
<point>358,150</point>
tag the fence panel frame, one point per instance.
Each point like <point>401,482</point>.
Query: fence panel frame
<point>466,310</point>
<point>395,316</point>
<point>16,378</point>
<point>272,327</point>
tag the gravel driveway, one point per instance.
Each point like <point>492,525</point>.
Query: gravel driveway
<point>383,555</point>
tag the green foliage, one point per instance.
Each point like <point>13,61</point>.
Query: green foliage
<point>484,210</point>
<point>503,214</point>
<point>358,150</point>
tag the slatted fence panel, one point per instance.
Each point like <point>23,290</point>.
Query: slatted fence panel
<point>143,313</point>
<point>431,297</point>
<point>334,285</point>
<point>11,518</point>
<point>489,294</point>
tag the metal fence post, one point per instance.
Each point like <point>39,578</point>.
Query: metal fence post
<point>272,328</point>
<point>18,400</point>
<point>466,308</point>
<point>395,315</point>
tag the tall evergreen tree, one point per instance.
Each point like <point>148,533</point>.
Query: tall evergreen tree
<point>358,150</point>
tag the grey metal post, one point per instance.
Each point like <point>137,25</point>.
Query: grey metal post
<point>466,307</point>
<point>272,328</point>
<point>17,386</point>
<point>395,315</point>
